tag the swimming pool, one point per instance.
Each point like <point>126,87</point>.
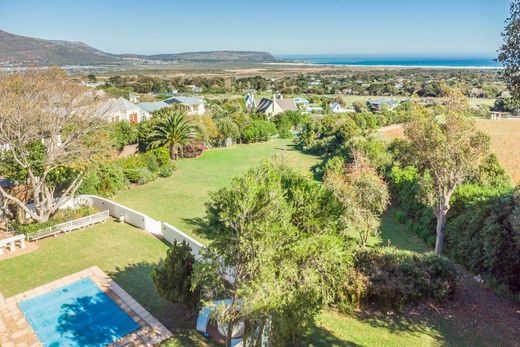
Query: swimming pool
<point>79,314</point>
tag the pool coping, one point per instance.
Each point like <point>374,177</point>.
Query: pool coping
<point>15,330</point>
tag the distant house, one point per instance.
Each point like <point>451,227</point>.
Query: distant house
<point>133,98</point>
<point>301,101</point>
<point>196,89</point>
<point>194,106</point>
<point>378,105</point>
<point>336,107</point>
<point>275,106</point>
<point>151,107</point>
<point>250,103</point>
<point>116,110</point>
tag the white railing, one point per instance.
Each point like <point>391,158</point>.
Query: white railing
<point>66,227</point>
<point>11,243</point>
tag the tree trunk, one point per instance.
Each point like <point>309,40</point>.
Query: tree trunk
<point>229,334</point>
<point>173,153</point>
<point>441,226</point>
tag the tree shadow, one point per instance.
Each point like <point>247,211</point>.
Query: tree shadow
<point>319,336</point>
<point>94,321</point>
<point>137,281</point>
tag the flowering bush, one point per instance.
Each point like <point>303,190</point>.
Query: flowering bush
<point>192,151</point>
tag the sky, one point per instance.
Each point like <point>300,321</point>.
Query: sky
<point>281,27</point>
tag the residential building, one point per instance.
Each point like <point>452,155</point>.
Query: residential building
<point>335,107</point>
<point>115,110</point>
<point>151,107</point>
<point>378,105</point>
<point>193,106</point>
<point>133,97</point>
<point>250,103</point>
<point>275,106</point>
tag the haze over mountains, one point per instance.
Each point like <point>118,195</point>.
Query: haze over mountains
<point>16,49</point>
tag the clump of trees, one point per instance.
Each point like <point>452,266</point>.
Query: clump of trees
<point>509,53</point>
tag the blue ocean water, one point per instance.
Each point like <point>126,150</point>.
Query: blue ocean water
<point>404,61</point>
<point>77,315</point>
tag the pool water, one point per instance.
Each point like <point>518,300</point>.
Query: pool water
<point>79,314</point>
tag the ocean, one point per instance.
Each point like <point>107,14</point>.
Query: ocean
<point>393,61</point>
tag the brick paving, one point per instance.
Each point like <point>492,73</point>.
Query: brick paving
<point>15,330</point>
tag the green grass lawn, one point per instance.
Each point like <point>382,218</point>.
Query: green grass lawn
<point>179,200</point>
<point>128,255</point>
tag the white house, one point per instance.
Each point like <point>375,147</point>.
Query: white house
<point>194,106</point>
<point>133,98</point>
<point>336,107</point>
<point>250,103</point>
<point>151,107</point>
<point>116,110</point>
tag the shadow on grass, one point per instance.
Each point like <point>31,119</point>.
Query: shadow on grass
<point>320,337</point>
<point>137,281</point>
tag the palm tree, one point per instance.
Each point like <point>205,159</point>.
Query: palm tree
<point>174,132</point>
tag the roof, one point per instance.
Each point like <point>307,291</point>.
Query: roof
<point>122,105</point>
<point>383,101</point>
<point>287,104</point>
<point>185,100</point>
<point>152,106</point>
<point>299,100</point>
<point>263,105</point>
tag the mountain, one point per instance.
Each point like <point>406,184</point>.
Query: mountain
<point>18,49</point>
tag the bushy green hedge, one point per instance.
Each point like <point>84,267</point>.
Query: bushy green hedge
<point>391,279</point>
<point>111,177</point>
<point>259,130</point>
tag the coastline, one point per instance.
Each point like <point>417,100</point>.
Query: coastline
<point>397,66</point>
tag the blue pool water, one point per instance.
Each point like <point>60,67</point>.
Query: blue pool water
<point>79,314</point>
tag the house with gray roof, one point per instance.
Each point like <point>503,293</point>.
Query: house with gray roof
<point>275,106</point>
<point>120,109</point>
<point>151,107</point>
<point>193,106</point>
<point>378,105</point>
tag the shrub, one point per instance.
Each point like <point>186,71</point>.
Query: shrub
<point>140,175</point>
<point>392,279</point>
<point>61,216</point>
<point>192,151</point>
<point>166,170</point>
<point>258,130</point>
<point>104,180</point>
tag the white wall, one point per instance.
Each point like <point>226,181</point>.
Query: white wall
<point>172,234</point>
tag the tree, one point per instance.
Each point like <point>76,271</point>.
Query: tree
<point>363,193</point>
<point>48,128</point>
<point>509,53</point>
<point>173,277</point>
<point>92,78</point>
<point>278,250</point>
<point>174,132</point>
<point>449,150</point>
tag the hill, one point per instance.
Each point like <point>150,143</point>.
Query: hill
<point>18,50</point>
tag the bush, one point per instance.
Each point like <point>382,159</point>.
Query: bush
<point>192,151</point>
<point>104,180</point>
<point>166,171</point>
<point>140,175</point>
<point>258,130</point>
<point>392,279</point>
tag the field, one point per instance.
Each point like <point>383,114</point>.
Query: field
<point>504,134</point>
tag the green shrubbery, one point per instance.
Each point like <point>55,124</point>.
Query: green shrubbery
<point>258,130</point>
<point>392,279</point>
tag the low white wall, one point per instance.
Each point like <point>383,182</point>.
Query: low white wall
<point>131,216</point>
<point>172,234</point>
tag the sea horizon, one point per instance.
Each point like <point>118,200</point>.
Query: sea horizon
<point>419,61</point>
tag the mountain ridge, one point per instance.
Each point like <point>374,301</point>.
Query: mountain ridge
<point>17,49</point>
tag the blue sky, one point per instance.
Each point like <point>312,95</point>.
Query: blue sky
<point>412,27</point>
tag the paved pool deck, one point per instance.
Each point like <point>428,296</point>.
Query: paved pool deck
<point>15,330</point>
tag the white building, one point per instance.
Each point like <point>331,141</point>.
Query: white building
<point>116,110</point>
<point>275,106</point>
<point>336,107</point>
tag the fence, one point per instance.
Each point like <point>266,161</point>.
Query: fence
<point>172,234</point>
<point>70,226</point>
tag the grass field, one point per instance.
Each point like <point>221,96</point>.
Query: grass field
<point>504,134</point>
<point>128,255</point>
<point>179,199</point>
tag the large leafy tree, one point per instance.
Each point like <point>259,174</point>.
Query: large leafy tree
<point>449,147</point>
<point>48,135</point>
<point>509,53</point>
<point>278,251</point>
<point>175,132</point>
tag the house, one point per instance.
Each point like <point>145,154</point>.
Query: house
<point>336,107</point>
<point>194,106</point>
<point>116,110</point>
<point>301,101</point>
<point>250,103</point>
<point>275,106</point>
<point>151,107</point>
<point>133,98</point>
<point>196,89</point>
<point>378,105</point>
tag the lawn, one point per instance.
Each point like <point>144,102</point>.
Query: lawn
<point>128,255</point>
<point>179,200</point>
